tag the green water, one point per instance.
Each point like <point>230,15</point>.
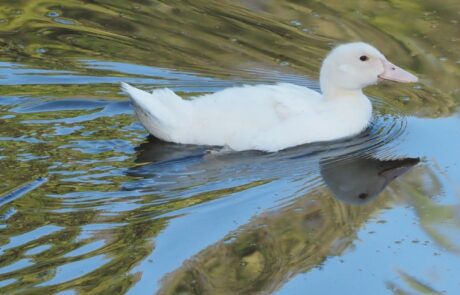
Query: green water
<point>89,204</point>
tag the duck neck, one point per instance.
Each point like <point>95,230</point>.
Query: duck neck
<point>332,93</point>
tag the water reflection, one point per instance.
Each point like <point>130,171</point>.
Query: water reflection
<point>118,214</point>
<point>261,255</point>
<point>359,180</point>
<point>256,250</point>
<point>354,178</point>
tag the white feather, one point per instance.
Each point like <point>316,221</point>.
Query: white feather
<point>268,117</point>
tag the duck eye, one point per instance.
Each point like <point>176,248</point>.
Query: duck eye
<point>363,58</point>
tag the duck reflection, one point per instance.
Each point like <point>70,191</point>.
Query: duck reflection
<point>260,244</point>
<point>155,150</point>
<point>352,178</point>
<point>359,180</point>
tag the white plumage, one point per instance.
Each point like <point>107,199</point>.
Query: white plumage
<point>272,117</point>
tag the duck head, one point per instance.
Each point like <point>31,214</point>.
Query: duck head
<point>359,180</point>
<point>353,66</point>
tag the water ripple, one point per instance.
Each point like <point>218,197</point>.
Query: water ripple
<point>123,213</point>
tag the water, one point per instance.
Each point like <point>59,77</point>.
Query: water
<point>91,205</point>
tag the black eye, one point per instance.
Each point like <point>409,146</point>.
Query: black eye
<point>362,196</point>
<point>363,58</point>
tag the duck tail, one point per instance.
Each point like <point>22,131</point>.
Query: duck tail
<point>146,103</point>
<point>157,111</point>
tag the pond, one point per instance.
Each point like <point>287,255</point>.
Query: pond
<point>90,204</point>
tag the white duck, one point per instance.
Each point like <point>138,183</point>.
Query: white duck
<point>273,117</point>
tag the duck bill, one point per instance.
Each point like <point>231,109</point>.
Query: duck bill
<point>392,169</point>
<point>395,73</point>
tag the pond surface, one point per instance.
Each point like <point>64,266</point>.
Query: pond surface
<point>89,204</point>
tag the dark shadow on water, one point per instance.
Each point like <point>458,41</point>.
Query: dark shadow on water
<point>358,181</point>
<point>349,167</point>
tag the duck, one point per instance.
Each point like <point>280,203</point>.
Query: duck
<point>273,117</point>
